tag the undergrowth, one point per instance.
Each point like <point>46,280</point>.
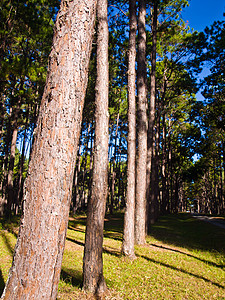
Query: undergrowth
<point>183,258</point>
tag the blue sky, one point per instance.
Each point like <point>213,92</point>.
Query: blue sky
<point>202,13</point>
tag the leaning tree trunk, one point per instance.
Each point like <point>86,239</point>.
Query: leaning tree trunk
<point>36,267</point>
<point>128,232</point>
<point>93,263</point>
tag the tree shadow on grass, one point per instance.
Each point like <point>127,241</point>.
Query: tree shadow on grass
<point>183,230</point>
<point>115,235</point>
<point>113,226</point>
<point>190,255</point>
<point>10,248</point>
<point>2,283</point>
<point>76,229</point>
<point>72,277</point>
<point>114,223</point>
<point>7,243</point>
<point>106,249</point>
<point>181,270</point>
<point>75,241</point>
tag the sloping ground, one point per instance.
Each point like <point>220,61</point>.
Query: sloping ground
<point>184,258</point>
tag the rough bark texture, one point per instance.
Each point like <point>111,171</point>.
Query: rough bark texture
<point>141,129</point>
<point>93,263</point>
<point>38,254</point>
<point>128,234</point>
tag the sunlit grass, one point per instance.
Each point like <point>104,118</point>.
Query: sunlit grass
<point>182,259</point>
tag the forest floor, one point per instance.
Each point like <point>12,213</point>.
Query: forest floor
<point>183,258</point>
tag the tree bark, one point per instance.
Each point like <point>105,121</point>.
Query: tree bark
<point>93,263</point>
<point>36,267</point>
<point>128,232</point>
<point>141,129</point>
<point>150,193</point>
<point>113,166</point>
<point>10,190</point>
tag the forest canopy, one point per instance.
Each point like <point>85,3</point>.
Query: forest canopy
<point>100,114</point>
<point>188,134</point>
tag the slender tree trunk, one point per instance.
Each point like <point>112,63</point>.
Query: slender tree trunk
<point>91,164</point>
<point>39,250</point>
<point>164,198</point>
<point>128,232</point>
<point>19,195</point>
<point>164,194</point>
<point>93,263</point>
<point>156,166</point>
<point>223,184</point>
<point>140,215</point>
<point>75,194</point>
<point>113,166</point>
<point>22,160</point>
<point>151,123</point>
<point>10,189</point>
<point>169,169</point>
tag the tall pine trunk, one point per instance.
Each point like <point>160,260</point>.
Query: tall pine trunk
<point>36,267</point>
<point>128,232</point>
<point>141,128</point>
<point>93,263</point>
<point>114,165</point>
<point>151,168</point>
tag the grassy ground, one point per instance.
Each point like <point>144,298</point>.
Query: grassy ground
<point>184,258</point>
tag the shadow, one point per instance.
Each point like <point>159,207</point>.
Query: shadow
<point>11,224</point>
<point>74,222</point>
<point>187,254</point>
<point>113,235</point>
<point>112,251</point>
<point>182,230</point>
<point>75,241</point>
<point>7,243</point>
<point>109,250</point>
<point>76,229</point>
<point>72,277</point>
<point>181,270</point>
<point>114,223</point>
<point>2,283</point>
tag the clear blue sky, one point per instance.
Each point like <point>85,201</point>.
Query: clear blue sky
<point>202,13</point>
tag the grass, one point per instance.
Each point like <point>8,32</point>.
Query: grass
<point>183,258</point>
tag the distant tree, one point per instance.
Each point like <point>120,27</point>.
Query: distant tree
<point>151,184</point>
<point>36,267</point>
<point>128,235</point>
<point>26,32</point>
<point>93,279</point>
<point>140,211</point>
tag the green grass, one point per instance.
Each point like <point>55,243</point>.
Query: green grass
<point>184,258</point>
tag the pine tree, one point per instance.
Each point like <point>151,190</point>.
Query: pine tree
<point>93,263</point>
<point>38,254</point>
<point>128,235</point>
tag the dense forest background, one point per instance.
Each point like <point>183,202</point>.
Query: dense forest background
<point>188,165</point>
